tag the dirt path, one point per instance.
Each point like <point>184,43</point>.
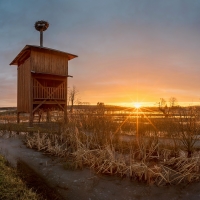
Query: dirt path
<point>84,184</point>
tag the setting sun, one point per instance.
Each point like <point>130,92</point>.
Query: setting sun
<point>137,104</point>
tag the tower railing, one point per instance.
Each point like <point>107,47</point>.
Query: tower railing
<point>43,92</point>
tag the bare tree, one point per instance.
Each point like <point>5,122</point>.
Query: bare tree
<point>100,108</point>
<point>73,92</point>
<point>163,107</point>
<point>172,101</point>
<point>188,128</point>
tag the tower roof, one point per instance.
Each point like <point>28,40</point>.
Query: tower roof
<point>25,53</point>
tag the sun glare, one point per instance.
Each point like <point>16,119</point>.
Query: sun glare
<point>137,104</point>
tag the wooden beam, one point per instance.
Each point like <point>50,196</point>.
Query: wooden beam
<point>18,119</point>
<point>24,57</point>
<point>38,82</point>
<point>59,105</point>
<point>38,106</point>
<point>48,76</point>
<point>65,110</point>
<point>49,102</point>
<point>31,103</point>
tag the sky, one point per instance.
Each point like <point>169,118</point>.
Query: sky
<point>128,50</point>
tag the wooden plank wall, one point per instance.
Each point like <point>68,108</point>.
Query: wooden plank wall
<point>50,63</point>
<point>23,87</point>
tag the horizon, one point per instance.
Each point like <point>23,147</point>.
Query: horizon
<point>132,104</point>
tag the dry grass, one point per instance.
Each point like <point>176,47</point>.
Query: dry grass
<point>94,140</point>
<point>144,162</point>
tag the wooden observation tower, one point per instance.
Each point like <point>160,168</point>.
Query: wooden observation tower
<point>42,77</point>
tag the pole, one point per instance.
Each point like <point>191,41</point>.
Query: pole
<point>41,38</point>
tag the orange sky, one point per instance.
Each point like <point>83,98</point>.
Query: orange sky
<point>144,70</point>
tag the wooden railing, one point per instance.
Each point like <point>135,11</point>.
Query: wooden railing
<point>41,92</point>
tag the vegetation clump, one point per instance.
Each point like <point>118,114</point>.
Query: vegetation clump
<point>12,187</point>
<point>98,141</point>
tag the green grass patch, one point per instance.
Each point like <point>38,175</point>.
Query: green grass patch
<point>11,186</point>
